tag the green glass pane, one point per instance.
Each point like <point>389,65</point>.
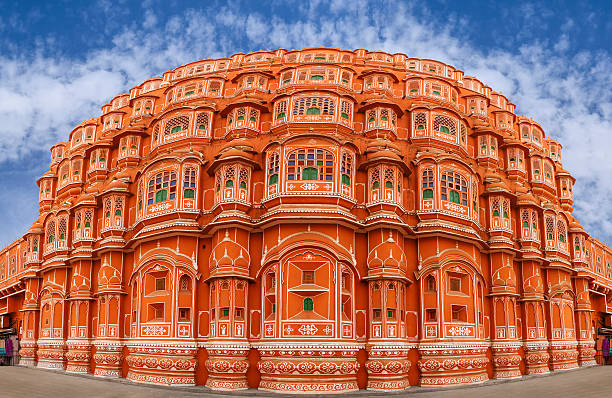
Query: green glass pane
<point>388,184</point>
<point>344,115</point>
<point>495,213</point>
<point>428,194</point>
<point>436,92</point>
<point>117,212</point>
<point>87,224</point>
<point>229,183</point>
<point>346,180</point>
<point>280,115</point>
<point>375,185</point>
<point>242,184</point>
<point>316,77</point>
<point>188,194</point>
<point>313,111</point>
<point>175,129</point>
<point>310,174</point>
<point>454,196</point>
<point>308,304</point>
<point>444,129</point>
<point>525,224</point>
<point>273,179</point>
<point>161,195</point>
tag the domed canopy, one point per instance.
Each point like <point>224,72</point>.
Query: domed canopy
<point>228,253</point>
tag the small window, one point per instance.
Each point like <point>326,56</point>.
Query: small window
<point>189,193</point>
<point>431,284</point>
<point>184,284</point>
<point>458,313</point>
<point>346,180</point>
<point>183,315</point>
<point>310,174</point>
<point>224,313</point>
<point>160,283</point>
<point>239,314</point>
<point>308,304</point>
<point>377,314</point>
<point>307,276</point>
<point>390,313</point>
<point>431,315</point>
<point>428,194</point>
<point>454,284</point>
<point>273,179</point>
<point>156,312</point>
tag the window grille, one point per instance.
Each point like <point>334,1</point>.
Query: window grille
<point>176,125</point>
<point>161,187</point>
<point>453,188</point>
<point>310,164</point>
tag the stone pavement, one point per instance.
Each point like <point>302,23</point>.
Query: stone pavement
<point>16,381</point>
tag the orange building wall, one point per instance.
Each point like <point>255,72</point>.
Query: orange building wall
<point>316,220</point>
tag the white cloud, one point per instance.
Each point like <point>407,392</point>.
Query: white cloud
<point>42,98</point>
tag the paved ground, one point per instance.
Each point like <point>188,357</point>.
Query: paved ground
<point>25,382</point>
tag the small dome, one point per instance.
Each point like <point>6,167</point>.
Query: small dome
<point>228,253</point>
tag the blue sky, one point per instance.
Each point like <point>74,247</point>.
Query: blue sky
<point>61,61</point>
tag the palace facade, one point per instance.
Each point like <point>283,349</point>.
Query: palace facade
<point>316,220</point>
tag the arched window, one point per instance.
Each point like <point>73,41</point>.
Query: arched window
<point>420,124</point>
<point>189,183</point>
<point>51,231</point>
<point>310,164</point>
<point>314,106</point>
<point>536,165</point>
<point>525,133</point>
<point>87,219</point>
<point>118,205</point>
<point>453,188</point>
<point>430,283</point>
<point>561,233</point>
<point>184,284</point>
<point>202,123</point>
<point>61,228</point>
<point>446,125</point>
<point>281,111</point>
<point>346,168</point>
<point>495,207</point>
<point>107,207</point>
<point>308,304</point>
<point>161,187</point>
<point>389,178</point>
<point>229,177</point>
<point>375,179</point>
<point>176,125</point>
<point>427,183</point>
<point>550,228</point>
<point>273,168</point>
<point>243,177</point>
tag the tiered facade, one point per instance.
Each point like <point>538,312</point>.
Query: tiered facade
<point>318,220</point>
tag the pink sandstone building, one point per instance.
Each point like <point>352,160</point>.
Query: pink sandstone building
<point>316,220</point>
